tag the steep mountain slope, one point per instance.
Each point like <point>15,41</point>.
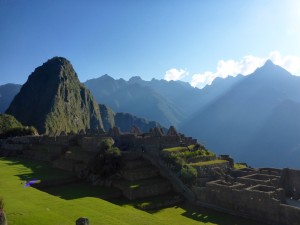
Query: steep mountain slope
<point>124,121</point>
<point>181,94</point>
<point>53,100</point>
<point>278,138</point>
<point>230,123</point>
<point>132,97</point>
<point>107,116</point>
<point>7,93</point>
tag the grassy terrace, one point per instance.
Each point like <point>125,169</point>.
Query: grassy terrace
<point>239,166</point>
<point>186,153</point>
<point>206,163</point>
<point>63,205</point>
<point>180,149</point>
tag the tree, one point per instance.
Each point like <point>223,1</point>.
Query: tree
<point>107,161</point>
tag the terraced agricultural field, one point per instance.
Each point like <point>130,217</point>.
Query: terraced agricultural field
<point>63,205</point>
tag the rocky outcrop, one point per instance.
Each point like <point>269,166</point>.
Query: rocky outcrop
<point>53,100</point>
<point>125,121</point>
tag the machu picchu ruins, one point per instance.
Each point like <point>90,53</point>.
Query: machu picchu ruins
<point>265,194</point>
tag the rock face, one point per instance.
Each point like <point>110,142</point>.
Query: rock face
<point>82,221</point>
<point>53,100</point>
<point>125,121</point>
<point>107,116</point>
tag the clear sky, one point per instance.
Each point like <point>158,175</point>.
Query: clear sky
<point>192,40</point>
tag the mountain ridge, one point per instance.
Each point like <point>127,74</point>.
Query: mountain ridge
<point>231,122</point>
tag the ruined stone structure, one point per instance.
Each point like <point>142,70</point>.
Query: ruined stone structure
<point>268,195</point>
<point>73,152</point>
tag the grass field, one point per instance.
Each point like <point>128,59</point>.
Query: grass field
<point>239,166</point>
<point>62,206</point>
<point>206,163</point>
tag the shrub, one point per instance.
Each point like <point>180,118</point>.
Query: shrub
<point>19,131</point>
<point>188,174</point>
<point>107,161</point>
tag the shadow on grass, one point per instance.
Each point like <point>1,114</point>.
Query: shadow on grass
<point>196,213</point>
<point>211,216</point>
<point>36,170</point>
<point>43,171</point>
<point>81,190</point>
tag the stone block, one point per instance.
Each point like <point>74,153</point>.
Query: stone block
<point>82,221</point>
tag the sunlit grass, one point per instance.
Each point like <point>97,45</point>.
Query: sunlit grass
<point>63,205</point>
<point>205,163</point>
<point>239,166</point>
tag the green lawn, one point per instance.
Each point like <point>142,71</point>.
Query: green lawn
<point>178,149</point>
<point>239,166</point>
<point>62,206</point>
<point>211,162</point>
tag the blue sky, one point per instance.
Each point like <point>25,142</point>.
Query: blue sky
<point>193,40</point>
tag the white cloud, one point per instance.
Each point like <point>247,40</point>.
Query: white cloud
<point>289,62</point>
<point>245,66</point>
<point>175,74</point>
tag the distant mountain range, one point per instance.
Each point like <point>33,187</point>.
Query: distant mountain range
<point>7,94</point>
<point>139,97</point>
<point>254,118</point>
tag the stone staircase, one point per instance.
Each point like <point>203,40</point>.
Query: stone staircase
<point>140,180</point>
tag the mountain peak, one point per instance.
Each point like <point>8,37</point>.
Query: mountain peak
<point>56,68</point>
<point>269,62</point>
<point>53,100</point>
<point>269,68</point>
<point>135,79</point>
<point>106,76</point>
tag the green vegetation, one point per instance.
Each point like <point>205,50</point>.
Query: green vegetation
<point>179,159</point>
<point>186,152</point>
<point>239,166</point>
<point>10,127</point>
<point>206,163</point>
<point>27,206</point>
<point>53,100</point>
<point>188,174</point>
<point>108,159</point>
<point>8,122</point>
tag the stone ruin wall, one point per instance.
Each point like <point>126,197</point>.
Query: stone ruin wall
<point>255,179</point>
<point>251,198</point>
<point>72,152</point>
<point>291,183</point>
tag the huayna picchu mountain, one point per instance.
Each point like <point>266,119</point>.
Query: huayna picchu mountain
<point>53,100</point>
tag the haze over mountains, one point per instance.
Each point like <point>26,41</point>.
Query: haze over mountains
<point>7,94</point>
<point>249,117</point>
<point>254,118</point>
<point>141,98</point>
